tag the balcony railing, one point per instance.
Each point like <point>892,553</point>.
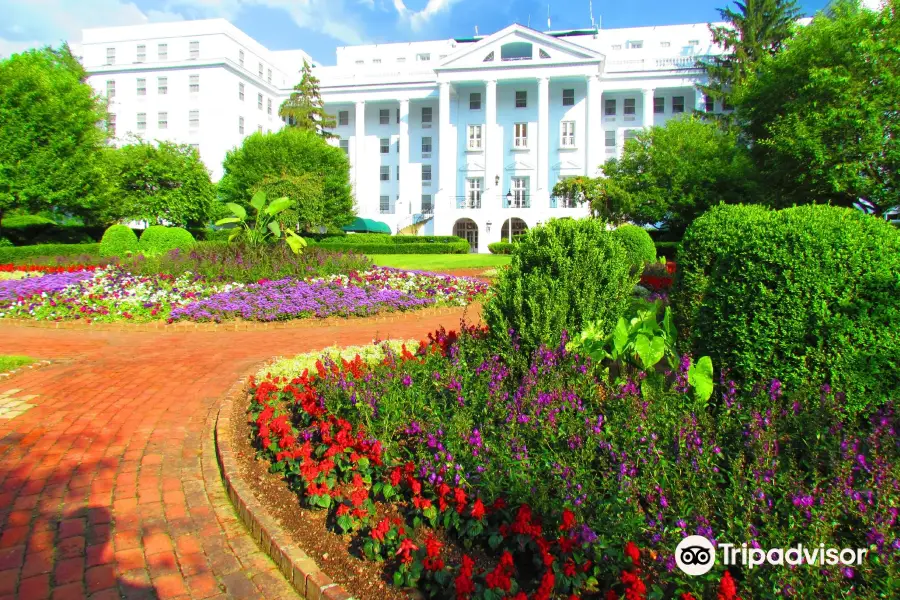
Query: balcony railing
<point>676,63</point>
<point>517,201</point>
<point>563,202</point>
<point>468,202</point>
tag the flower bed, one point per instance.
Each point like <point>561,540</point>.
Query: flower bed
<point>549,483</point>
<point>112,293</point>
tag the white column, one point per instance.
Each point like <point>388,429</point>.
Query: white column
<point>359,145</point>
<point>543,149</point>
<point>594,137</point>
<point>493,150</point>
<point>447,145</point>
<point>648,108</point>
<point>403,160</point>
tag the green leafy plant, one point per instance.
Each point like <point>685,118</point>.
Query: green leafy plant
<point>264,226</point>
<point>157,239</point>
<point>118,240</point>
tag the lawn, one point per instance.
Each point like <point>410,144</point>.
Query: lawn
<point>440,262</point>
<point>10,362</point>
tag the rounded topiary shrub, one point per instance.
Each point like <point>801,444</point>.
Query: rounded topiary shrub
<point>561,277</point>
<point>807,295</point>
<point>157,239</point>
<point>500,248</point>
<point>118,240</point>
<point>638,244</point>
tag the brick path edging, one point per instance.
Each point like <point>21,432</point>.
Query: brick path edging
<point>298,568</point>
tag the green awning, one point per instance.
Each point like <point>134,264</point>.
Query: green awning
<point>360,225</point>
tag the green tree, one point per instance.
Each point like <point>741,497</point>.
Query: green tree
<point>822,114</point>
<point>281,163</point>
<point>669,175</point>
<point>50,135</point>
<point>160,182</point>
<point>757,29</point>
<point>606,199</point>
<point>304,108</point>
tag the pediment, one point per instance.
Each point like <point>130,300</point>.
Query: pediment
<point>519,165</point>
<point>567,165</point>
<point>472,166</point>
<point>517,45</point>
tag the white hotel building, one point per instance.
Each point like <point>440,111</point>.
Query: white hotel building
<point>464,136</point>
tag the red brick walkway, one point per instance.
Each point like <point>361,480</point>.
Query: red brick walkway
<point>108,488</point>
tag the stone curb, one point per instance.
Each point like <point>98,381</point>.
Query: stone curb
<point>181,327</point>
<point>35,365</point>
<point>298,568</point>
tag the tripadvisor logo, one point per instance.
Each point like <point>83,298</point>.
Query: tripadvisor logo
<point>695,555</point>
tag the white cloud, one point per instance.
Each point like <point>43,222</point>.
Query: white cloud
<point>418,19</point>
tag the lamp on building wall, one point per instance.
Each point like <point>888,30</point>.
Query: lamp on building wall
<point>487,226</point>
<point>508,197</point>
<point>496,180</point>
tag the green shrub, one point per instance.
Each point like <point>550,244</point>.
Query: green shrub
<point>5,243</point>
<point>391,245</point>
<point>561,277</point>
<point>500,248</point>
<point>27,230</point>
<point>385,238</point>
<point>18,221</point>
<point>157,239</point>
<point>215,235</point>
<point>118,240</point>
<point>48,253</point>
<point>638,244</point>
<point>808,295</point>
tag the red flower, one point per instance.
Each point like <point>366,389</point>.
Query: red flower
<point>501,576</point>
<point>432,546</point>
<point>611,595</point>
<point>686,596</point>
<point>568,520</point>
<point>632,552</point>
<point>727,588</point>
<point>380,530</point>
<point>478,509</point>
<point>396,474</point>
<point>569,568</point>
<point>634,587</point>
<point>566,544</point>
<point>463,583</point>
<point>342,510</point>
<point>405,550</point>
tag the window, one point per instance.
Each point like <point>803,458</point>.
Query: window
<point>710,104</point>
<point>659,105</point>
<point>385,173</point>
<point>141,87</point>
<point>475,101</point>
<point>473,192</point>
<point>398,116</point>
<point>360,62</point>
<point>520,192</point>
<point>260,70</point>
<point>401,59</point>
<point>521,135</point>
<point>474,137</point>
<point>241,92</point>
<point>195,50</point>
<point>426,175</point>
<point>725,104</point>
<point>636,44</point>
<point>521,99</point>
<point>568,97</point>
<point>385,145</point>
<point>142,121</point>
<point>693,42</point>
<point>241,57</point>
<point>141,53</point>
<point>269,75</point>
<point>110,56</point>
<point>427,204</point>
<point>110,88</point>
<point>194,119</point>
<point>398,175</point>
<point>162,85</point>
<point>343,117</point>
<point>567,133</point>
<point>489,57</point>
<point>426,116</point>
<point>543,53</point>
<point>345,146</point>
<point>610,138</point>
<point>376,61</point>
<point>111,125</point>
<point>259,101</point>
<point>423,57</point>
<point>162,120</point>
<point>610,109</point>
<point>630,134</point>
<point>629,106</point>
<point>195,84</point>
<point>665,44</point>
<point>162,51</point>
<point>384,116</point>
<point>241,125</point>
<point>677,104</point>
<point>617,46</point>
<point>385,204</point>
<point>269,106</point>
<point>426,147</point>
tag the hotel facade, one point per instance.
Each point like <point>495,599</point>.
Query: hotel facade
<point>465,136</point>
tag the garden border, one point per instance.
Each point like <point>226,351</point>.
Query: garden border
<point>299,569</point>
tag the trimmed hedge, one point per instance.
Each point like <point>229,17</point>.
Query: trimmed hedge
<point>638,244</point>
<point>158,239</point>
<point>118,240</point>
<point>384,238</point>
<point>28,253</point>
<point>28,230</point>
<point>808,295</point>
<point>501,248</point>
<point>460,247</point>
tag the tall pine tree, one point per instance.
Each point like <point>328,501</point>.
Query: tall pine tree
<point>305,109</point>
<point>756,29</point>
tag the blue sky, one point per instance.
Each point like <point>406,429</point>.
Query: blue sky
<point>319,26</point>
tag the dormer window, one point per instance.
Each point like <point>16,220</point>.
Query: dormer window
<point>665,44</point>
<point>693,42</point>
<point>635,44</point>
<point>543,53</point>
<point>401,59</point>
<point>516,51</point>
<point>423,57</point>
<point>617,46</point>
<point>376,61</point>
<point>489,57</point>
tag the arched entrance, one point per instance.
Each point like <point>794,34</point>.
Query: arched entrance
<point>518,228</point>
<point>468,230</point>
